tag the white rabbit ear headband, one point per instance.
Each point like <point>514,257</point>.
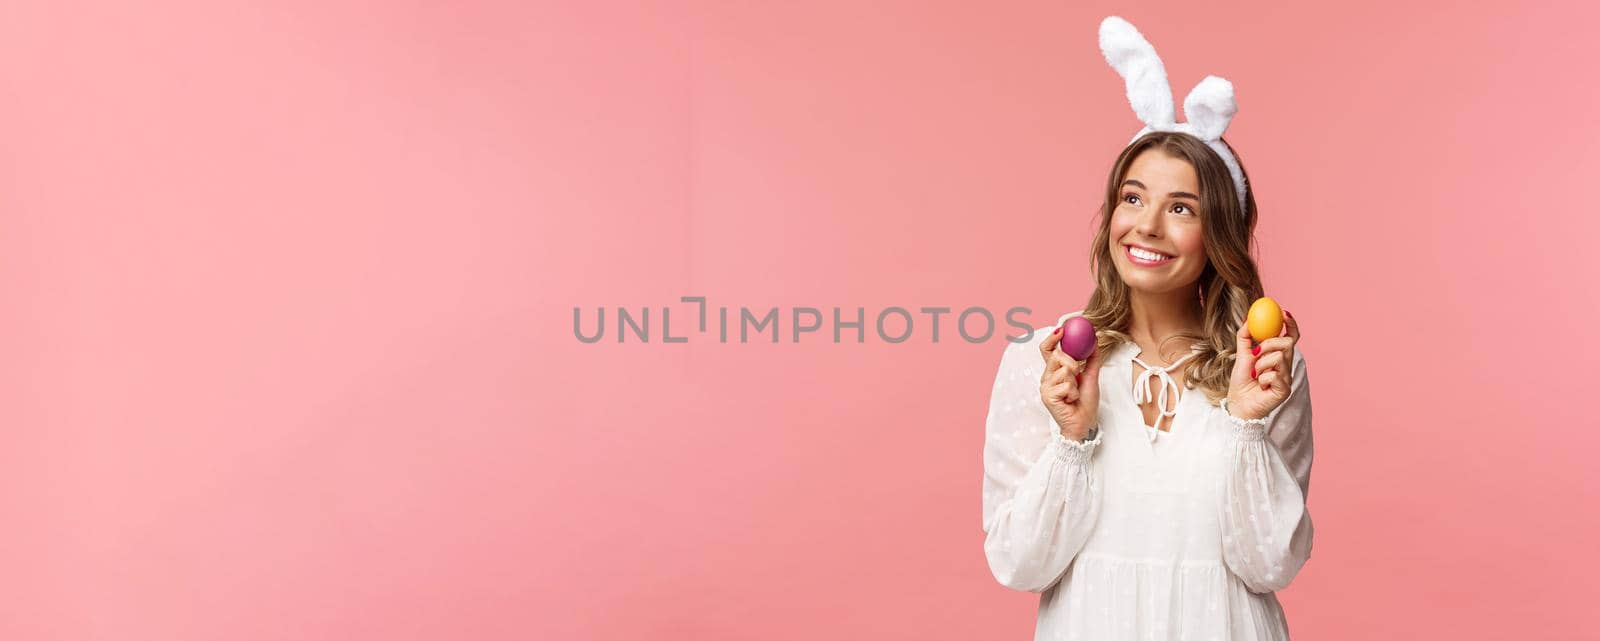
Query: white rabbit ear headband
<point>1209,106</point>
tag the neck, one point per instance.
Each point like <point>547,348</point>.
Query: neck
<point>1157,317</point>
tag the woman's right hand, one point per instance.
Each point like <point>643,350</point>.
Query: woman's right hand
<point>1069,388</point>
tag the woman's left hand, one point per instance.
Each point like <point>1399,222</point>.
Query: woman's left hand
<point>1260,380</point>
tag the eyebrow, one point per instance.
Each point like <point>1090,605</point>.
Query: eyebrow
<point>1176,194</point>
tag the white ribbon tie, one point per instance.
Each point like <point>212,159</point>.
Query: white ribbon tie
<point>1142,394</point>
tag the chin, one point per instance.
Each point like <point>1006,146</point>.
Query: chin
<point>1147,288</point>
<point>1153,283</point>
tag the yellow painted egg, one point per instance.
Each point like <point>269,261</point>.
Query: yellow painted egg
<point>1265,319</point>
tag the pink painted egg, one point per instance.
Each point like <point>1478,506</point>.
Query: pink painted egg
<point>1077,338</point>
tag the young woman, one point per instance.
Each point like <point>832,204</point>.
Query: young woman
<point>1137,507</point>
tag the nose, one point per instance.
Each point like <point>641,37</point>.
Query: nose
<point>1148,223</point>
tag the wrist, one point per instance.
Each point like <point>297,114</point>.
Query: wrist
<point>1238,414</point>
<point>1070,428</point>
<point>1074,434</point>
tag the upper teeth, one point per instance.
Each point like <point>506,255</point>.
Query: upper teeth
<point>1147,255</point>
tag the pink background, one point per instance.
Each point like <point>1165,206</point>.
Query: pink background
<point>288,293</point>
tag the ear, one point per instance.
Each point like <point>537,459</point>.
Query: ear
<point>1210,107</point>
<point>1136,61</point>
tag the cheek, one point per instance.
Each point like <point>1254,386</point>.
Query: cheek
<point>1194,255</point>
<point>1121,224</point>
<point>1190,242</point>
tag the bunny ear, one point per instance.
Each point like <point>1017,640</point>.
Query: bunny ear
<point>1210,107</point>
<point>1136,61</point>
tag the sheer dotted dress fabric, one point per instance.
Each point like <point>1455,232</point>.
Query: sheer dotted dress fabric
<point>1125,537</point>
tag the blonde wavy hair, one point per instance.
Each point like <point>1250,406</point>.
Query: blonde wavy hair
<point>1227,287</point>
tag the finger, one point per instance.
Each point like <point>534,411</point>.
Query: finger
<point>1267,362</point>
<point>1058,375</point>
<point>1270,379</point>
<point>1244,350</point>
<point>1090,378</point>
<point>1067,392</point>
<point>1282,346</point>
<point>1277,344</point>
<point>1049,343</point>
<point>1070,364</point>
<point>1053,360</point>
<point>1058,358</point>
<point>1050,392</point>
<point>1243,359</point>
<point>1071,369</point>
<point>1242,341</point>
<point>1292,327</point>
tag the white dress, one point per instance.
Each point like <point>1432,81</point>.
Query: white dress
<point>1141,533</point>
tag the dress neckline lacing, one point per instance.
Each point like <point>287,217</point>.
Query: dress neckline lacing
<point>1142,393</point>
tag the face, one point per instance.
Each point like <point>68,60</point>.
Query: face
<point>1158,210</point>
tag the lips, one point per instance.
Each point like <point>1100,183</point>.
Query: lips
<point>1145,261</point>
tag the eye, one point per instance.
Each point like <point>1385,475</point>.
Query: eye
<point>1130,198</point>
<point>1185,208</point>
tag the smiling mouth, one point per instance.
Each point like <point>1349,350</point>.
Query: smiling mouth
<point>1145,257</point>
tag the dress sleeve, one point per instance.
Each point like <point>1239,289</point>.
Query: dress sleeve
<point>1267,527</point>
<point>1039,499</point>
